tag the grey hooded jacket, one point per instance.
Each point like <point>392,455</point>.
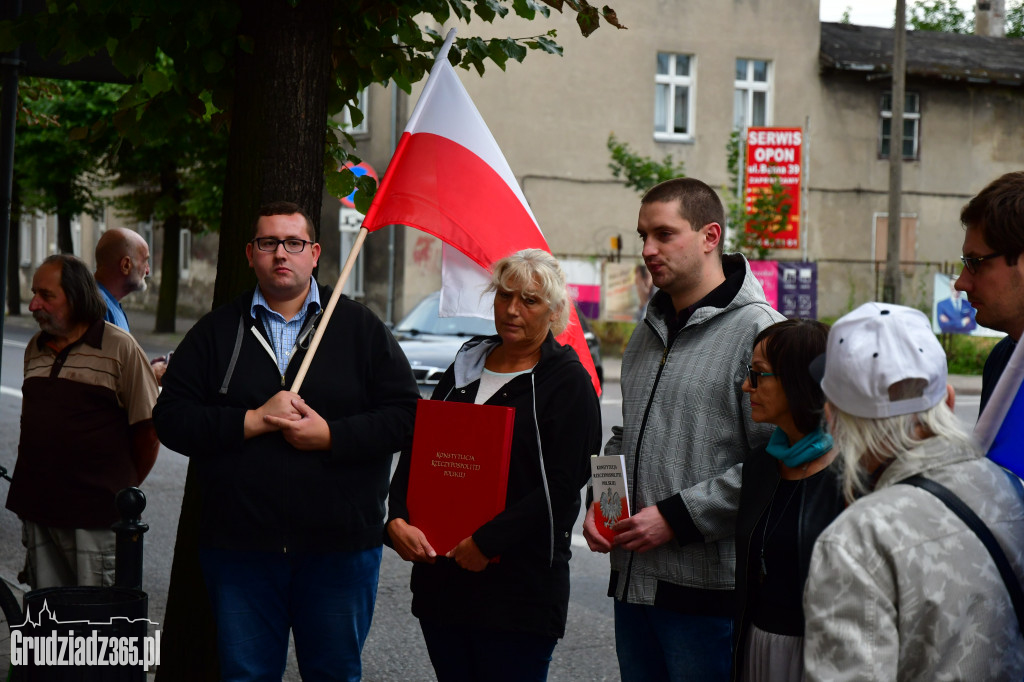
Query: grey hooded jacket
<point>686,430</point>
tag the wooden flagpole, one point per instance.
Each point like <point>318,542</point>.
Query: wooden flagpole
<point>350,262</point>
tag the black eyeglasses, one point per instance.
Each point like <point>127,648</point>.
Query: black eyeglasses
<point>290,245</point>
<point>972,263</point>
<point>753,374</point>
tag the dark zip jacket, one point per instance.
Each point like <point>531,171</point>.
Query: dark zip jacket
<point>527,590</point>
<point>261,493</point>
<point>817,507</point>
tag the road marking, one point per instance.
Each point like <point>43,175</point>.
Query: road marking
<point>16,344</point>
<point>578,540</point>
<point>13,392</point>
<point>611,401</point>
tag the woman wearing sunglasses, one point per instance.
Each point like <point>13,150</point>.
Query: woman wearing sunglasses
<point>789,495</point>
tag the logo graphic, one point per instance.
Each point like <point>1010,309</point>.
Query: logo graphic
<point>611,507</point>
<point>79,643</point>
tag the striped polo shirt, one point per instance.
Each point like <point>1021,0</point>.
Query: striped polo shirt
<point>77,408</point>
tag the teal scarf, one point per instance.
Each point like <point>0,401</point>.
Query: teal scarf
<point>810,447</point>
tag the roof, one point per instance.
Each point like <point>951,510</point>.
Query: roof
<point>930,54</point>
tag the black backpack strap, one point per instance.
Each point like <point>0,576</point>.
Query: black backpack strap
<point>958,507</point>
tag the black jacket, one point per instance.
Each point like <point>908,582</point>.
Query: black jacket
<point>818,507</point>
<point>527,590</point>
<point>261,493</point>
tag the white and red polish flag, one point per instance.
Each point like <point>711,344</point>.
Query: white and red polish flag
<point>449,178</point>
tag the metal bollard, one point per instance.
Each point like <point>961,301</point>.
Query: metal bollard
<point>130,531</point>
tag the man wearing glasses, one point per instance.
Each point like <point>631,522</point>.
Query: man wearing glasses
<point>993,274</point>
<point>292,487</point>
<point>686,429</point>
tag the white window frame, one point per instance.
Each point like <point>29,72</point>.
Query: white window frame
<point>673,82</point>
<point>41,240</point>
<point>25,242</point>
<point>912,118</point>
<point>76,236</point>
<point>349,222</point>
<point>746,87</point>
<point>363,104</point>
<point>146,230</point>
<point>184,253</point>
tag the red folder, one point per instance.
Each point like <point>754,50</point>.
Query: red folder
<point>459,469</point>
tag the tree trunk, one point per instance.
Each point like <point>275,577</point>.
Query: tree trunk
<point>278,124</point>
<point>167,301</point>
<point>275,152</point>
<point>14,254</point>
<point>64,242</point>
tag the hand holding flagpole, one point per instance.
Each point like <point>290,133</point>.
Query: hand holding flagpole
<point>329,310</point>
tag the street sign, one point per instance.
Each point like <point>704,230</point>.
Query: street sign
<point>359,170</point>
<point>774,154</point>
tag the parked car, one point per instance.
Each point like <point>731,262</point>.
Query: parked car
<point>431,342</point>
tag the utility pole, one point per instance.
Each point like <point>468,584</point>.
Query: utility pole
<point>891,287</point>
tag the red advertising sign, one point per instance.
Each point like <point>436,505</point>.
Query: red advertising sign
<point>773,154</point>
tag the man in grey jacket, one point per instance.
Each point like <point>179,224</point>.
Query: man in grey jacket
<point>686,430</point>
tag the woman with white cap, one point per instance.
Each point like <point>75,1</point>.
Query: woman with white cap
<point>900,587</point>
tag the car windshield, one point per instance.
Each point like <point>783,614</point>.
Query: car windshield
<point>424,319</point>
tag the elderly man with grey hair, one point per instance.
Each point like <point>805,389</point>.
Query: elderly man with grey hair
<point>93,381</point>
<point>901,587</point>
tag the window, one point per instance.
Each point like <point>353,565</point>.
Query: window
<point>184,254</point>
<point>349,221</point>
<point>673,97</point>
<point>76,235</point>
<point>363,104</point>
<point>25,242</point>
<point>911,125</point>
<point>751,94</point>
<point>42,234</point>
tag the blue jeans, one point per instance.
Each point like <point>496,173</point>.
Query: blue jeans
<point>656,644</point>
<point>464,653</point>
<point>325,598</point>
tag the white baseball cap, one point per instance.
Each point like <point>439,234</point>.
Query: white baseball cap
<point>876,347</point>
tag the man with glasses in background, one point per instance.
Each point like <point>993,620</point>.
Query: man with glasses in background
<point>292,487</point>
<point>993,273</point>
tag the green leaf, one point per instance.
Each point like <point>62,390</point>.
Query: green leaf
<point>477,49</point>
<point>213,61</point>
<point>155,82</point>
<point>340,183</point>
<point>546,44</point>
<point>488,9</point>
<point>460,8</point>
<point>497,54</point>
<point>246,44</point>
<point>587,19</point>
<point>611,17</point>
<point>512,48</point>
<point>402,82</point>
<point>526,9</point>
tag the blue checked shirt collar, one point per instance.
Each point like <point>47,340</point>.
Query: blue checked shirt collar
<point>282,333</point>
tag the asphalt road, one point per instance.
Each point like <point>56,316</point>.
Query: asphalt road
<point>394,649</point>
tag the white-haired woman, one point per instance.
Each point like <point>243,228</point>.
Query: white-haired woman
<point>485,620</point>
<point>899,587</point>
